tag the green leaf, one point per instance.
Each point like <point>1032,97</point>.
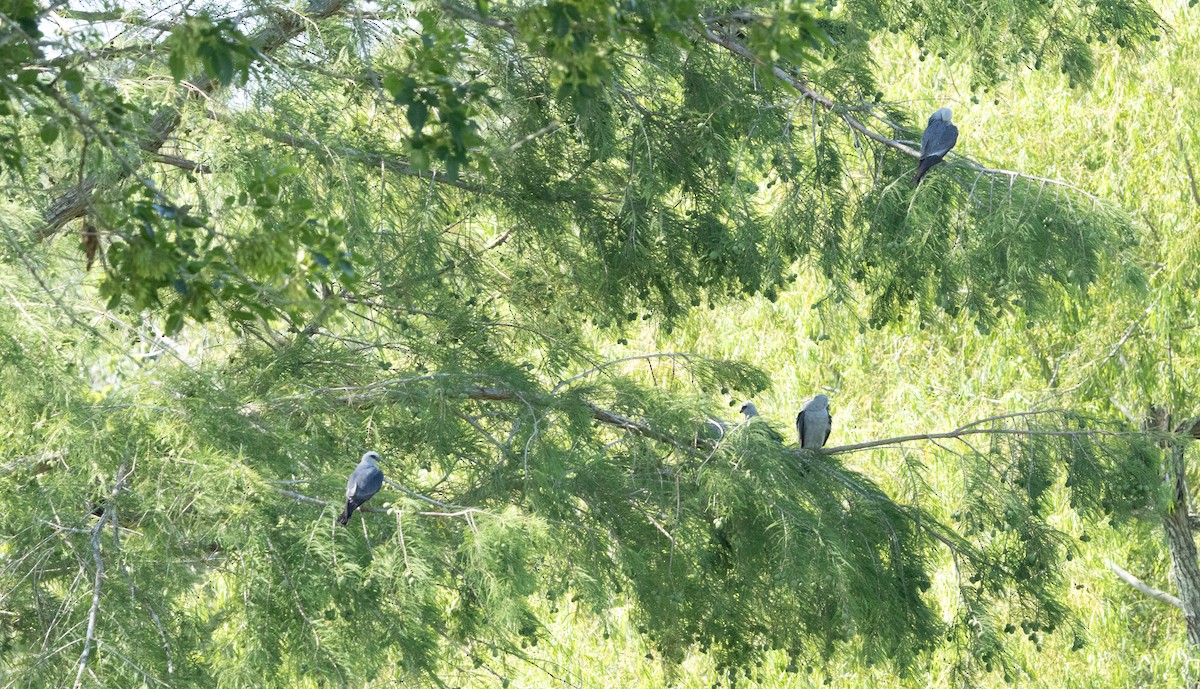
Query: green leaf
<point>419,159</point>
<point>218,61</point>
<point>418,113</point>
<point>72,80</point>
<point>177,62</point>
<point>49,133</point>
<point>402,88</point>
<point>427,19</point>
<point>240,315</point>
<point>174,323</point>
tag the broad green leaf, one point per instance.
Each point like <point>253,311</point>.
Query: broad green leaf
<point>417,113</point>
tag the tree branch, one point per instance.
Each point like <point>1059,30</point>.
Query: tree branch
<point>282,28</point>
<point>605,416</point>
<point>1187,166</point>
<point>808,92</point>
<point>969,429</point>
<point>1160,596</point>
<point>90,636</point>
<point>182,163</point>
<point>855,124</point>
<point>121,16</point>
<point>367,158</point>
<point>39,464</point>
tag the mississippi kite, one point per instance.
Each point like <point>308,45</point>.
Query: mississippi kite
<point>365,482</point>
<point>751,412</point>
<point>814,422</point>
<point>939,137</point>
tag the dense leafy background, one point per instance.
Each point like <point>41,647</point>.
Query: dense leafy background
<point>426,229</point>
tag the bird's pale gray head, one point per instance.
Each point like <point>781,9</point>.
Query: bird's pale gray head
<point>749,410</point>
<point>818,402</point>
<point>371,457</point>
<point>942,114</point>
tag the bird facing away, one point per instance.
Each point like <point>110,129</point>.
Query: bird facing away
<point>365,482</point>
<point>814,422</point>
<point>751,411</point>
<point>939,137</point>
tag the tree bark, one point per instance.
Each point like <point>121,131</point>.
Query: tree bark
<point>1185,569</point>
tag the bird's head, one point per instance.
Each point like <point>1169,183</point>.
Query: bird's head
<point>942,114</point>
<point>819,402</point>
<point>371,457</point>
<point>749,410</point>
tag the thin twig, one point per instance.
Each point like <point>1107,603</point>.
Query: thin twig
<point>182,163</point>
<point>665,355</point>
<point>808,92</point>
<point>90,637</point>
<point>1013,174</point>
<point>965,430</point>
<point>548,129</point>
<point>1187,165</point>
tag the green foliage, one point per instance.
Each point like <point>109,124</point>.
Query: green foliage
<point>218,46</point>
<point>435,55</point>
<point>998,35</point>
<point>666,186</point>
<point>967,241</point>
<point>454,235</point>
<point>821,556</point>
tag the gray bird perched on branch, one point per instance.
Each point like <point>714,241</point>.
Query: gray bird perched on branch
<point>939,137</point>
<point>365,482</point>
<point>751,411</point>
<point>814,422</point>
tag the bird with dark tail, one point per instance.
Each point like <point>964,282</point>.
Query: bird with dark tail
<point>939,137</point>
<point>813,423</point>
<point>364,483</point>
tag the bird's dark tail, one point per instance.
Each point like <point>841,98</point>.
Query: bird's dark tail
<point>926,163</point>
<point>345,516</point>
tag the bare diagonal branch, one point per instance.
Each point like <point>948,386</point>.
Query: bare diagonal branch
<point>1160,596</point>
<point>971,429</point>
<point>808,92</point>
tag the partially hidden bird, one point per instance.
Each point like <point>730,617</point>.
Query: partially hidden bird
<point>365,481</point>
<point>751,411</point>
